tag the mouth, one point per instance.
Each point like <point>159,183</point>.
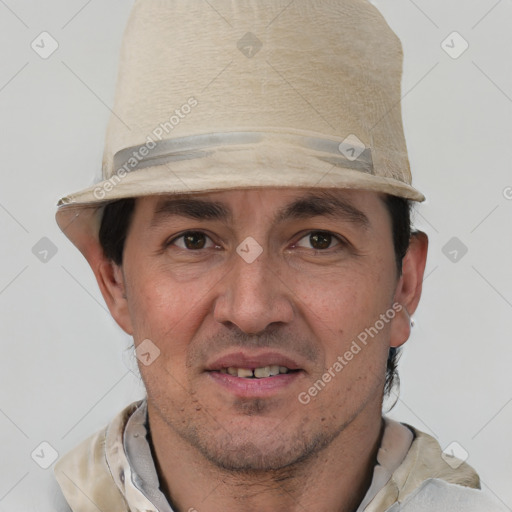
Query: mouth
<point>254,376</point>
<point>262,372</point>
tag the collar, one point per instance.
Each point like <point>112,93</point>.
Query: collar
<point>139,458</point>
<point>395,444</point>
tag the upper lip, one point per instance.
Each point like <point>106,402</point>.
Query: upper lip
<point>252,361</point>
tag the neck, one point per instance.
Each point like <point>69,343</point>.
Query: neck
<point>334,479</point>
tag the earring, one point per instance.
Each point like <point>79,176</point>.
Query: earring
<point>411,320</point>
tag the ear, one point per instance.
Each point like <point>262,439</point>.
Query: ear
<point>408,290</point>
<point>111,281</point>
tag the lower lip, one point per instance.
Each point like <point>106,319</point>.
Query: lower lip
<point>255,388</point>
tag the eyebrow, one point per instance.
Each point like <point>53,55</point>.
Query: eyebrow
<point>313,204</point>
<point>192,208</point>
<point>323,204</point>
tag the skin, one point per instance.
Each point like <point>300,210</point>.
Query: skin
<point>198,301</point>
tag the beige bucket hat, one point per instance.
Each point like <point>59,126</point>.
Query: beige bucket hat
<point>249,93</point>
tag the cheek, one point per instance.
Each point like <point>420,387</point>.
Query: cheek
<point>346,300</point>
<point>344,310</point>
<point>167,311</point>
<point>155,305</point>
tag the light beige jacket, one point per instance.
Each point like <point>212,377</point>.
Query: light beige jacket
<point>98,475</point>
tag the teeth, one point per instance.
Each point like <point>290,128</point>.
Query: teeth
<point>244,372</point>
<point>274,370</point>
<point>259,373</point>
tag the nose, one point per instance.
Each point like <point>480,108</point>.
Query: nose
<point>253,296</point>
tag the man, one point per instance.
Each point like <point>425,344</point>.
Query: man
<point>252,234</point>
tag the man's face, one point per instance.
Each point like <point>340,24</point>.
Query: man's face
<point>241,280</point>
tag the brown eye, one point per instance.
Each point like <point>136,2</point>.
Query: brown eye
<point>193,241</point>
<point>318,240</point>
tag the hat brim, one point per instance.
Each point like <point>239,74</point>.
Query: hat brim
<point>226,161</point>
<point>79,215</point>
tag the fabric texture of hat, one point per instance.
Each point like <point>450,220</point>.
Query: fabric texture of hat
<point>250,93</point>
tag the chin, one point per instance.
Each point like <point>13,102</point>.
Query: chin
<point>263,452</point>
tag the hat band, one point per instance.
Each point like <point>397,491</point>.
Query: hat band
<point>346,154</point>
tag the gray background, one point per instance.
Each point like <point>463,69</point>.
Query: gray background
<point>66,367</point>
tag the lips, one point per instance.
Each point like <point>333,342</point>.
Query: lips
<point>245,361</point>
<point>255,375</point>
<point>261,372</point>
